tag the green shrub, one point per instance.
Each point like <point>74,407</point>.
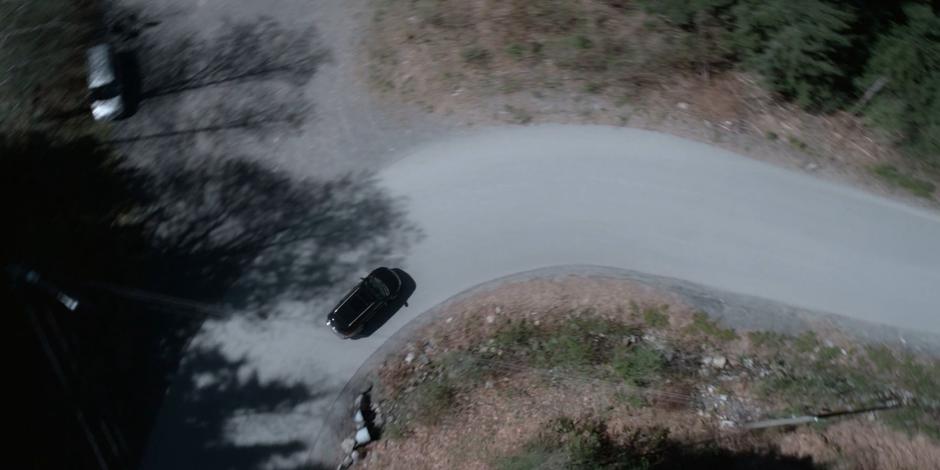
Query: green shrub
<point>582,42</point>
<point>796,46</point>
<point>655,316</point>
<point>908,56</point>
<point>686,12</point>
<point>637,365</point>
<point>433,401</point>
<point>476,55</point>
<point>806,342</point>
<point>769,339</point>
<point>916,186</point>
<point>703,324</point>
<point>516,50</point>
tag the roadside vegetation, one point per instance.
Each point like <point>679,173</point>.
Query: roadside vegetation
<point>879,58</point>
<point>42,58</point>
<point>647,385</point>
<point>835,78</point>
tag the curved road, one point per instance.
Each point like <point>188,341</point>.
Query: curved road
<point>510,200</point>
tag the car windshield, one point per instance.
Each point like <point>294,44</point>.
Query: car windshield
<point>105,92</point>
<point>377,287</point>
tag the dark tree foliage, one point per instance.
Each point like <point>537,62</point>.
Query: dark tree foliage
<point>62,203</point>
<point>908,56</point>
<point>216,232</point>
<point>796,46</point>
<point>42,54</point>
<point>686,12</point>
<point>826,54</point>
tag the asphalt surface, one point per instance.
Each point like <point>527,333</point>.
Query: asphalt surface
<point>506,201</point>
<point>513,200</point>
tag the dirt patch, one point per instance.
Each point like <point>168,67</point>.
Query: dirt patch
<point>542,373</point>
<point>601,62</point>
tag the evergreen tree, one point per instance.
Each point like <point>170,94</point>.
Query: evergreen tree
<point>796,45</point>
<point>909,58</point>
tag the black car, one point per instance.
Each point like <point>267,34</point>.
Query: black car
<point>374,292</point>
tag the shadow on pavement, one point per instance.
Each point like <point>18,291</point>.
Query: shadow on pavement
<point>246,79</point>
<point>230,234</point>
<point>407,289</point>
<point>210,393</point>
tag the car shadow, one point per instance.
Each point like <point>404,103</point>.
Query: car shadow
<point>408,287</point>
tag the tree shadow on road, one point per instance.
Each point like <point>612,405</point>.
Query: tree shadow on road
<point>210,393</point>
<point>236,232</point>
<point>239,52</point>
<point>246,76</point>
<point>227,234</point>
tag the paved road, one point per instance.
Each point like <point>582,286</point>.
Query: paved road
<point>505,201</point>
<point>512,200</point>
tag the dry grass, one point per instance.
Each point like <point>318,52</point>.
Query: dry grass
<point>603,62</point>
<point>497,417</point>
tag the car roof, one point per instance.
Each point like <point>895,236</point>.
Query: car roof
<point>100,66</point>
<point>388,277</point>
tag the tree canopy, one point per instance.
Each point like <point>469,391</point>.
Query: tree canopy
<point>826,54</point>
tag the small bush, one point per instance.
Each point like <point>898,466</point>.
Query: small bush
<point>465,366</point>
<point>433,401</point>
<point>916,186</point>
<point>829,354</point>
<point>702,324</point>
<point>637,365</point>
<point>582,42</point>
<point>806,342</point>
<point>579,342</point>
<point>519,115</point>
<point>655,316</point>
<point>769,339</point>
<point>797,144</point>
<point>516,335</point>
<point>593,88</point>
<point>568,350</point>
<point>516,50</point>
<point>476,55</point>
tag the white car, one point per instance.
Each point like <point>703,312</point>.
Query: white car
<point>104,84</point>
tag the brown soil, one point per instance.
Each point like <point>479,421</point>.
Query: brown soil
<point>501,416</point>
<point>602,62</point>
